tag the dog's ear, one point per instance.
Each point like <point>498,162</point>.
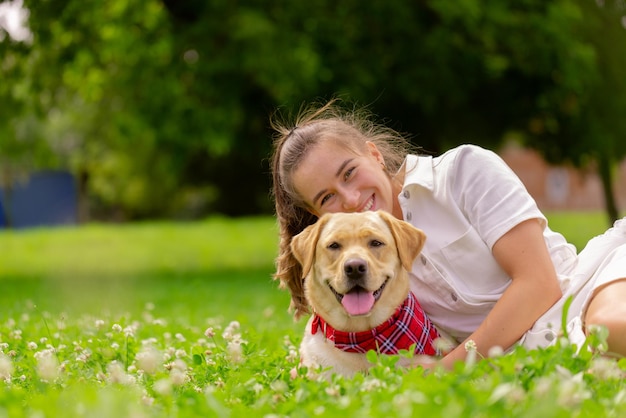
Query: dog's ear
<point>409,239</point>
<point>303,245</point>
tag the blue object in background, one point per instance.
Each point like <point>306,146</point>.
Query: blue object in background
<point>2,220</point>
<point>47,198</point>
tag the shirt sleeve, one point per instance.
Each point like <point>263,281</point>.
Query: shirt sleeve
<point>490,194</point>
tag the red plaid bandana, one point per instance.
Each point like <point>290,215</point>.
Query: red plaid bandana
<point>407,326</point>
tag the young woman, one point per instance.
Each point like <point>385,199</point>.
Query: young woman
<point>491,271</point>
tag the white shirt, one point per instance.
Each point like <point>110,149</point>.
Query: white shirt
<point>465,200</point>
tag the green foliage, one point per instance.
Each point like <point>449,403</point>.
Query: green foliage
<point>160,108</point>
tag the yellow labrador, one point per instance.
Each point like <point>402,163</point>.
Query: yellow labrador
<point>355,269</point>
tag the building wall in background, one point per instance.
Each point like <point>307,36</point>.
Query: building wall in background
<point>562,187</point>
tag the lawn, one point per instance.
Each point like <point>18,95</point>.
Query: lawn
<point>183,319</point>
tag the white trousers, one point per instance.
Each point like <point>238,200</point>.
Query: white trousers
<point>602,261</point>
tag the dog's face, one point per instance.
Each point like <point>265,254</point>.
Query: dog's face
<point>355,266</point>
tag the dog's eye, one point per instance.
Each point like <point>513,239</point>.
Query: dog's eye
<point>376,243</point>
<point>334,246</point>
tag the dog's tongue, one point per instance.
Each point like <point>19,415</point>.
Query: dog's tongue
<point>358,302</point>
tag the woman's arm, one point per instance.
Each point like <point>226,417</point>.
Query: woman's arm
<point>523,255</point>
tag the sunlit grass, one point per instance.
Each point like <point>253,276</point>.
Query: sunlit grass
<point>133,250</point>
<point>578,227</point>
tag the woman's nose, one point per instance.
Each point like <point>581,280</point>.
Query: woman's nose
<point>350,200</point>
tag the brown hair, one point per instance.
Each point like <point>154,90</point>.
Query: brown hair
<point>314,124</point>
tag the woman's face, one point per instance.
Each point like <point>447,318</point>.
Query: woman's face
<point>332,178</point>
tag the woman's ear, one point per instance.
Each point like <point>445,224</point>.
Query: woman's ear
<point>375,152</point>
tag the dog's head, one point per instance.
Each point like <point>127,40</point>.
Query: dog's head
<point>355,266</point>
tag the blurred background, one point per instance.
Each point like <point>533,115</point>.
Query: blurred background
<point>123,110</point>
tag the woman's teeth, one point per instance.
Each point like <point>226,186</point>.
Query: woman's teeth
<point>369,205</point>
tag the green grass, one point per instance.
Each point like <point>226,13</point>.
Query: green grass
<point>578,227</point>
<point>137,320</point>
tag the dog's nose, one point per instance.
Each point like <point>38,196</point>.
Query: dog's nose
<point>355,268</point>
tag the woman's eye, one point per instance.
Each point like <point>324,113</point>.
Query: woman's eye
<point>348,173</point>
<point>325,199</point>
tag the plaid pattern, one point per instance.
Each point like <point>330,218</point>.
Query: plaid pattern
<point>407,326</point>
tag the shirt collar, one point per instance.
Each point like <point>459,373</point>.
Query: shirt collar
<point>418,171</point>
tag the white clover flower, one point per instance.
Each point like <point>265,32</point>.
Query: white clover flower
<point>177,377</point>
<point>180,353</point>
<point>160,322</point>
<point>333,391</point>
<point>209,333</point>
<point>495,351</point>
<point>372,384</point>
<point>292,357</point>
<point>572,392</point>
<point>129,332</point>
<point>508,391</point>
<point>149,306</point>
<point>231,330</point>
<point>149,341</point>
<point>115,346</point>
<point>99,323</point>
<point>180,337</point>
<point>443,345</point>
<point>604,368</point>
<point>47,365</point>
<point>149,359</point>
<point>32,345</point>
<point>163,387</point>
<point>117,328</point>
<point>470,345</point>
<point>543,386</point>
<point>279,386</point>
<point>235,352</point>
<point>257,388</point>
<point>6,367</point>
<point>179,364</point>
<point>83,356</point>
<point>117,374</point>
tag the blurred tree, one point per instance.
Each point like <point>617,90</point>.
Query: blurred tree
<point>585,123</point>
<point>161,107</point>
